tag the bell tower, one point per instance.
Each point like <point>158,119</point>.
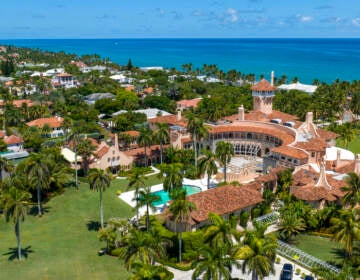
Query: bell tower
<point>263,94</point>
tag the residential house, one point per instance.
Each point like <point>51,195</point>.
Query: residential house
<point>55,123</point>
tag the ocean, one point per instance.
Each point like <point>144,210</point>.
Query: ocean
<point>306,59</point>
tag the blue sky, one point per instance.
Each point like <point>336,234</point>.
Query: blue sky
<point>186,18</point>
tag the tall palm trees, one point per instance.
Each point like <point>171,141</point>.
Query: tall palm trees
<point>352,190</point>
<point>214,264</point>
<point>207,165</point>
<point>163,136</point>
<point>99,180</point>
<point>37,169</point>
<point>258,253</point>
<point>224,151</point>
<point>145,139</point>
<point>146,198</point>
<point>221,232</point>
<point>197,130</point>
<point>173,176</point>
<point>346,230</point>
<point>85,150</point>
<point>181,209</point>
<point>136,181</point>
<point>15,203</point>
<point>75,137</point>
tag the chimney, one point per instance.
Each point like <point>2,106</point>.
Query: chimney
<point>241,113</point>
<point>309,118</point>
<point>357,164</point>
<point>338,157</point>
<point>322,181</point>
<point>178,115</point>
<point>272,78</point>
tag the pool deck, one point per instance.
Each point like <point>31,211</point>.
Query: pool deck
<point>129,196</point>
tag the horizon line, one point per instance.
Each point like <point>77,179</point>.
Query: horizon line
<point>177,38</point>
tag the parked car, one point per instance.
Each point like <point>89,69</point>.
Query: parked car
<point>309,277</point>
<point>287,272</point>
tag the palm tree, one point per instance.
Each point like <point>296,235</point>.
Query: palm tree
<point>173,176</point>
<point>38,172</point>
<point>223,152</point>
<point>147,198</point>
<point>99,180</point>
<point>15,203</point>
<point>75,138</point>
<point>258,253</point>
<point>347,272</point>
<point>290,224</point>
<point>221,232</point>
<point>214,264</point>
<point>85,150</point>
<point>347,133</point>
<point>6,166</point>
<point>346,230</point>
<point>139,246</point>
<point>163,136</point>
<point>145,139</point>
<point>45,130</point>
<point>197,130</point>
<point>136,181</point>
<point>145,271</point>
<point>181,209</point>
<point>352,190</point>
<point>207,165</point>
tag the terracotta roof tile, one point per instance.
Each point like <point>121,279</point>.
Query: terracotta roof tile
<point>169,119</point>
<point>187,103</point>
<point>12,139</point>
<point>263,85</point>
<point>290,152</point>
<point>327,135</point>
<point>132,133</point>
<point>222,200</point>
<point>314,144</point>
<point>52,122</point>
<point>102,151</point>
<point>141,151</point>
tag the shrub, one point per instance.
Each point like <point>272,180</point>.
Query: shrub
<point>277,260</point>
<point>118,192</point>
<point>297,271</point>
<point>303,275</point>
<point>255,212</point>
<point>140,170</point>
<point>244,218</point>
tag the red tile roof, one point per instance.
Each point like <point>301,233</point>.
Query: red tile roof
<point>314,144</point>
<point>187,103</point>
<point>12,140</point>
<point>132,133</point>
<point>52,122</point>
<point>262,128</point>
<point>263,85</point>
<point>102,151</point>
<point>141,151</point>
<point>327,135</point>
<point>290,152</point>
<point>304,187</point>
<point>222,200</point>
<point>18,103</point>
<point>169,119</point>
<point>64,75</point>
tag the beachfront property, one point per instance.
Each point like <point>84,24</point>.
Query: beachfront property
<point>64,80</point>
<point>267,141</point>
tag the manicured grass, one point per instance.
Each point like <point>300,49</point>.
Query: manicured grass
<point>63,242</point>
<point>121,184</point>
<point>320,247</point>
<point>354,145</point>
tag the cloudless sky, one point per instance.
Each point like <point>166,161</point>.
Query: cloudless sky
<point>174,19</point>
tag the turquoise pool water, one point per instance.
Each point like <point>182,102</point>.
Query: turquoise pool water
<point>164,196</point>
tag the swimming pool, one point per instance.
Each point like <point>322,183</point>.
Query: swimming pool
<point>165,197</point>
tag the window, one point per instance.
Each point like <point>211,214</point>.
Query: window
<point>312,154</point>
<point>118,158</point>
<point>108,159</point>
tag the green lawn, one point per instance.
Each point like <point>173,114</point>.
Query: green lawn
<point>121,184</point>
<point>354,145</point>
<point>320,247</point>
<point>63,243</point>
